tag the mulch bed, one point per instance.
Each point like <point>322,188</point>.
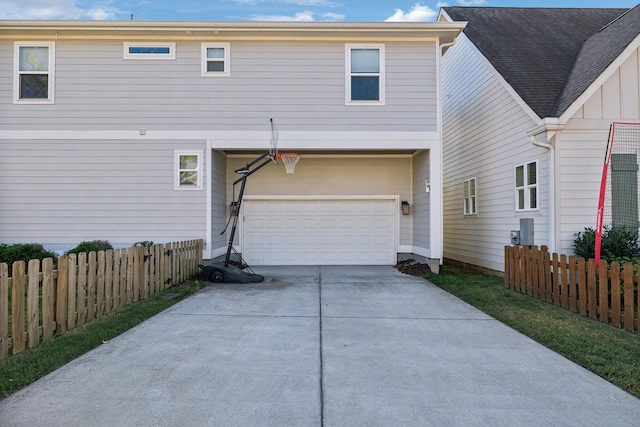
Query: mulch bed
<point>413,267</point>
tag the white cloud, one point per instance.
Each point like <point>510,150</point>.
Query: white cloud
<point>418,13</point>
<point>306,16</point>
<point>313,3</point>
<point>59,9</point>
<point>333,17</point>
<point>472,2</point>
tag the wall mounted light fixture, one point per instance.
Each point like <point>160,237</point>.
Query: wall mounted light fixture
<point>406,208</point>
<point>427,186</point>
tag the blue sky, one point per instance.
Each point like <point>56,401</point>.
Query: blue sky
<point>262,10</point>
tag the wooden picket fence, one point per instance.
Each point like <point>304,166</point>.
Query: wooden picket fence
<point>608,293</point>
<point>39,302</point>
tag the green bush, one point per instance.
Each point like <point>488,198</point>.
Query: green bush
<point>618,244</point>
<point>24,252</point>
<point>92,246</point>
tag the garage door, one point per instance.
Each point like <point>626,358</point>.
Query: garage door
<point>319,232</point>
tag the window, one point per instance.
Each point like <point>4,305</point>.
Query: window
<point>215,59</point>
<point>365,74</point>
<point>469,196</point>
<point>149,50</point>
<point>527,186</point>
<point>188,170</point>
<point>34,72</point>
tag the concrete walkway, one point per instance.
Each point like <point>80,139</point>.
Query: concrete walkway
<point>321,346</point>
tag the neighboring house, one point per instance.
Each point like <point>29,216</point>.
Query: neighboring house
<point>528,98</point>
<point>131,131</point>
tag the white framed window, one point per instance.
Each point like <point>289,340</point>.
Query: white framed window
<point>215,59</point>
<point>365,79</point>
<point>470,196</point>
<point>135,50</point>
<point>188,170</point>
<point>34,72</point>
<point>527,186</point>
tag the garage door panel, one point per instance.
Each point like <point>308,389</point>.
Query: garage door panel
<point>315,232</point>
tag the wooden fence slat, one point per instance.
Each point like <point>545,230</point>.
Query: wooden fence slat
<point>582,287</point>
<point>108,281</point>
<point>4,311</point>
<point>130,275</point>
<point>628,297</point>
<point>72,314</point>
<point>117,295</point>
<point>33,297</point>
<point>48,300</point>
<point>124,294</point>
<point>100,291</point>
<point>572,284</point>
<point>18,307</point>
<point>603,291</point>
<point>555,290</point>
<point>615,294</point>
<point>82,288</point>
<point>507,267</point>
<point>592,295</point>
<point>564,282</point>
<point>91,286</point>
<point>62,298</point>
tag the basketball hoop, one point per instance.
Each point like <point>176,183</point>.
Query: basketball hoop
<point>289,160</point>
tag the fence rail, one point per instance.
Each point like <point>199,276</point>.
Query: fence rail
<point>38,301</point>
<point>609,293</point>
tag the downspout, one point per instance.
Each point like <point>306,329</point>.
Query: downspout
<point>549,128</point>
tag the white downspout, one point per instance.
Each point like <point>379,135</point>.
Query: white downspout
<point>549,128</point>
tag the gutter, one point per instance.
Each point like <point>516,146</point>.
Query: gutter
<point>549,127</point>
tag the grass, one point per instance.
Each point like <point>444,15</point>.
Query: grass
<point>611,353</point>
<point>19,370</point>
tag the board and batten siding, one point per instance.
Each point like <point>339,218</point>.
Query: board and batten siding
<point>582,144</point>
<point>219,203</point>
<point>300,84</point>
<point>328,176</point>
<point>485,137</point>
<point>61,192</point>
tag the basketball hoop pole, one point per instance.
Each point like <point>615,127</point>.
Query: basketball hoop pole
<point>246,171</point>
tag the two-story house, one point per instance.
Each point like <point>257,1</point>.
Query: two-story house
<point>132,131</point>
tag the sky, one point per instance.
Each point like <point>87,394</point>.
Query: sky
<point>263,10</point>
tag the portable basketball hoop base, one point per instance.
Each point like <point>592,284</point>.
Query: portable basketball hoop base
<point>222,272</point>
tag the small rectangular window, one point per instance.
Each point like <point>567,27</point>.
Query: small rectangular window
<point>34,72</point>
<point>188,170</point>
<point>470,197</point>
<point>365,74</point>
<point>215,59</point>
<point>526,176</point>
<point>149,50</point>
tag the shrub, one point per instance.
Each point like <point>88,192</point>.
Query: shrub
<point>24,252</point>
<point>617,244</point>
<point>92,246</point>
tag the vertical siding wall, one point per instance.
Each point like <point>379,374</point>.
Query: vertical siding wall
<point>61,192</point>
<point>582,145</point>
<point>301,84</point>
<point>219,203</point>
<point>484,132</point>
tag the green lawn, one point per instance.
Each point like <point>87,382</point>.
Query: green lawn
<point>22,369</point>
<point>611,353</point>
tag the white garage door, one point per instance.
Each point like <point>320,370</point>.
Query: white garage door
<point>319,232</point>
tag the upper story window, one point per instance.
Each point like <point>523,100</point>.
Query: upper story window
<point>34,72</point>
<point>215,59</point>
<point>365,74</point>
<point>527,186</point>
<point>149,50</point>
<point>188,170</point>
<point>469,196</point>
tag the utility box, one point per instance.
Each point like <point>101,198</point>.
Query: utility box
<point>524,236</point>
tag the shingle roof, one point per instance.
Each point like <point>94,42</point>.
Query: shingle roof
<point>549,55</point>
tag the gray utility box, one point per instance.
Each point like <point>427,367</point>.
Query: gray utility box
<point>524,236</point>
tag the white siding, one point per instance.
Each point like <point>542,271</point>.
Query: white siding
<point>485,136</point>
<point>59,193</point>
<point>421,209</point>
<point>300,84</point>
<point>219,205</point>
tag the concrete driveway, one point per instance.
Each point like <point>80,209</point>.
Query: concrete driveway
<point>321,346</point>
